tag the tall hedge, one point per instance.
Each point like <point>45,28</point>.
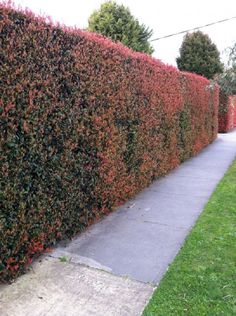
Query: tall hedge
<point>227,112</point>
<point>85,125</point>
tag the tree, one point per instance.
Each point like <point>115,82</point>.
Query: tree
<point>232,55</point>
<point>115,21</point>
<point>227,80</point>
<point>198,54</point>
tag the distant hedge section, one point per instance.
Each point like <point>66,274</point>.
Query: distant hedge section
<point>85,125</point>
<point>227,112</point>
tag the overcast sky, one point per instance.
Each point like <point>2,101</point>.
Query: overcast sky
<point>164,17</point>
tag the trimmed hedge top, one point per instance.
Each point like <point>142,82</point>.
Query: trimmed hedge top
<point>85,124</point>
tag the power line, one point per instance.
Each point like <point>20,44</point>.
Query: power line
<point>194,29</point>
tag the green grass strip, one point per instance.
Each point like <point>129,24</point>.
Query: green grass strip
<point>202,278</point>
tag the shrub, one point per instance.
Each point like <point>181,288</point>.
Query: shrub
<point>227,112</point>
<point>85,125</point>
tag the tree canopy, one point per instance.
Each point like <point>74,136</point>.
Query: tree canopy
<point>200,55</point>
<point>116,22</point>
<point>227,80</point>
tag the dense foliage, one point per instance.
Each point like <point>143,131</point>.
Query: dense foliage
<point>116,22</point>
<point>84,125</point>
<point>227,112</point>
<point>227,80</point>
<point>199,55</point>
<point>227,83</point>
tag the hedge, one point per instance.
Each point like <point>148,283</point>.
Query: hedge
<point>227,112</point>
<point>85,125</point>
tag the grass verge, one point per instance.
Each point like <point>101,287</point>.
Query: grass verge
<point>202,278</point>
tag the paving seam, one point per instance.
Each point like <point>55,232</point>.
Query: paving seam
<point>73,262</point>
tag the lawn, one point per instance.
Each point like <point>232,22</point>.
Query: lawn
<point>202,278</point>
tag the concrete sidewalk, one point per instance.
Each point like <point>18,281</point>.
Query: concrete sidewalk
<point>113,267</point>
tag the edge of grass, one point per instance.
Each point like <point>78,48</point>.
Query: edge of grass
<point>202,278</point>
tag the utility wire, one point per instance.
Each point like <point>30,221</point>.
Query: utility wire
<point>195,28</point>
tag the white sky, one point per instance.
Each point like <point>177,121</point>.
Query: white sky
<point>164,17</point>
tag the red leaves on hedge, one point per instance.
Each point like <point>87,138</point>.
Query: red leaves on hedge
<point>86,124</point>
<point>227,113</point>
